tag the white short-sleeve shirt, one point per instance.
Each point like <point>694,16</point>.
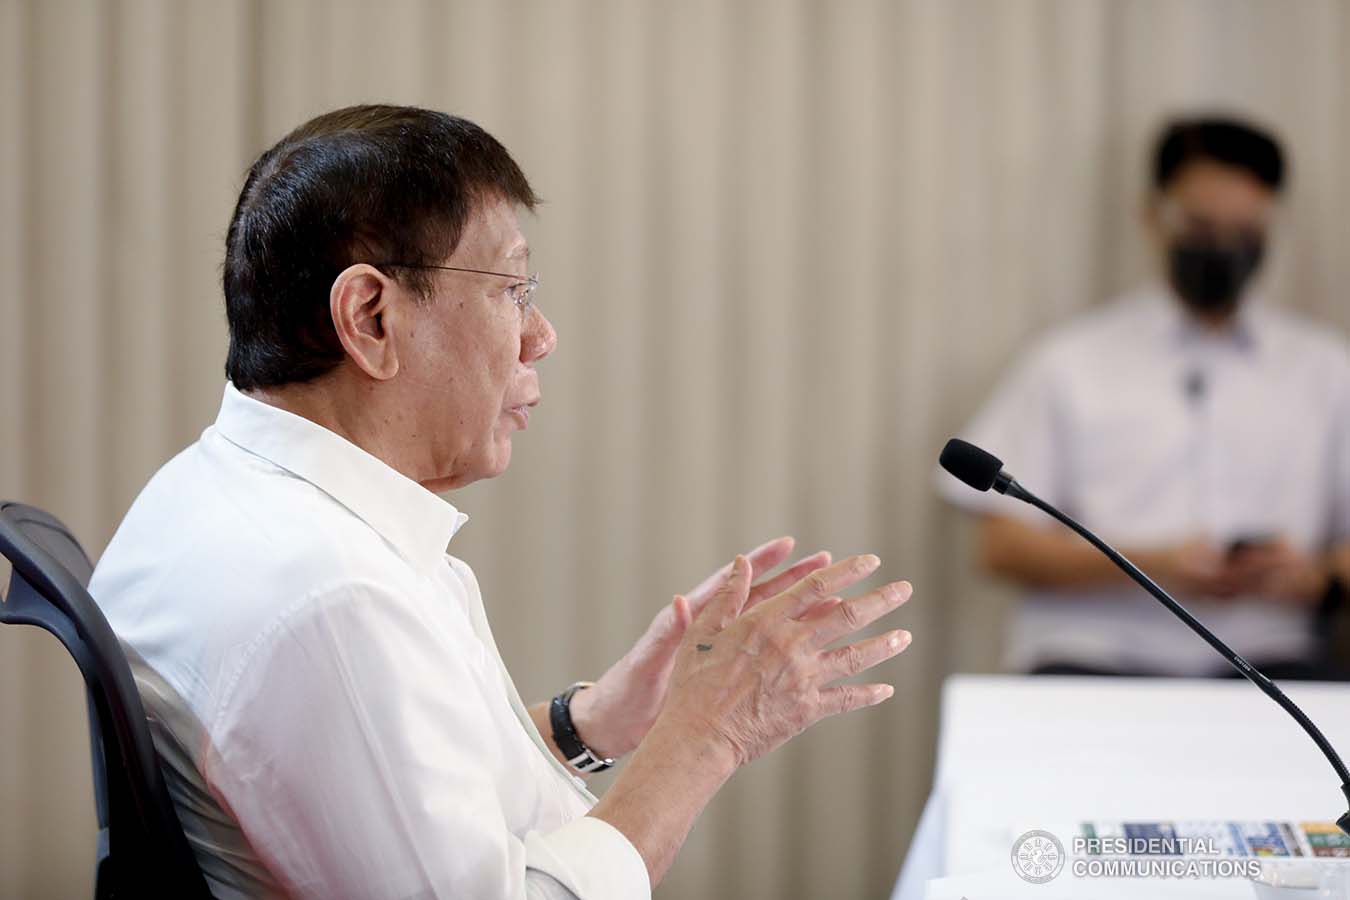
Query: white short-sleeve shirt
<point>326,696</point>
<point>1151,430</point>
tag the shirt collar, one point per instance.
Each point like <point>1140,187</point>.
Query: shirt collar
<point>1171,321</point>
<point>416,522</point>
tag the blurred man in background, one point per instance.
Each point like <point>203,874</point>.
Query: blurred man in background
<point>1204,432</point>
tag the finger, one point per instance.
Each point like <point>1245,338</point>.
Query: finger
<point>658,645</point>
<point>762,559</point>
<point>847,661</point>
<point>860,611</point>
<point>788,577</point>
<point>770,555</point>
<point>825,582</point>
<point>844,698</point>
<point>1235,579</point>
<point>684,616</point>
<point>820,609</point>
<point>681,618</point>
<point>1254,555</point>
<point>727,603</point>
<point>671,622</point>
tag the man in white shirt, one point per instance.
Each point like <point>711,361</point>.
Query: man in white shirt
<point>1204,432</point>
<point>327,700</point>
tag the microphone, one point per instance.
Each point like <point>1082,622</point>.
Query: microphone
<point>982,471</point>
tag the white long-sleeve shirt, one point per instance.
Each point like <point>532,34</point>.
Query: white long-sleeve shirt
<point>325,693</point>
<point>1151,430</point>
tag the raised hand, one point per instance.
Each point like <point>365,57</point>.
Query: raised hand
<point>755,677</point>
<point>752,670</point>
<point>613,716</point>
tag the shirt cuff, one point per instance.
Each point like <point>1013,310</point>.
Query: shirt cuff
<point>592,859</point>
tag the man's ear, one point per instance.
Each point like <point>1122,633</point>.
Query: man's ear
<point>359,303</point>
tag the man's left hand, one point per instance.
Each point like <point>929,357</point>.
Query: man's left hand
<point>614,716</point>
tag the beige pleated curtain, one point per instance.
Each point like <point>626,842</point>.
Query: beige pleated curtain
<point>788,246</point>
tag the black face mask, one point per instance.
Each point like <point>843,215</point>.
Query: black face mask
<point>1209,277</point>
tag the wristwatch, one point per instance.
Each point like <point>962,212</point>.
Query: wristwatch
<point>578,755</point>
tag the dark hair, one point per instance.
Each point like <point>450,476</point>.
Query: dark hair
<point>361,184</point>
<point>1228,141</point>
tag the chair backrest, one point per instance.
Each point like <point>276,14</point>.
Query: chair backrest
<point>142,850</point>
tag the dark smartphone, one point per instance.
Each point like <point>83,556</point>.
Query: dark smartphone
<point>1250,542</point>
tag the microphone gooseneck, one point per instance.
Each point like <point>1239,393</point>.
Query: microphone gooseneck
<point>973,466</point>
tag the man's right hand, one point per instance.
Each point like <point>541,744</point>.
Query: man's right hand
<point>1197,568</point>
<point>747,677</point>
<point>752,679</point>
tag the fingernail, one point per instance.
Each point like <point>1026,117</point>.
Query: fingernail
<point>869,562</point>
<point>884,692</point>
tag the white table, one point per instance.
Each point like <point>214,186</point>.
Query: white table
<point>1017,753</point>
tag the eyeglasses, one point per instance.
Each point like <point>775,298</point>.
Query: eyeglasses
<point>522,292</point>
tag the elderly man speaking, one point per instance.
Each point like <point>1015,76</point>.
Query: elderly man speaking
<point>331,711</point>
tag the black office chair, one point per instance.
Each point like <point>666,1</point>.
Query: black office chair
<point>142,851</point>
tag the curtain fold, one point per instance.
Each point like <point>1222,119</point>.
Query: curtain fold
<point>788,247</point>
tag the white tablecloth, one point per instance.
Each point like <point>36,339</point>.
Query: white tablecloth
<point>1017,753</point>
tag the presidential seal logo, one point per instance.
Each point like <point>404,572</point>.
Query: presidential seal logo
<point>1037,857</point>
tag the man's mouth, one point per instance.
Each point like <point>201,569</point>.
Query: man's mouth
<point>521,411</point>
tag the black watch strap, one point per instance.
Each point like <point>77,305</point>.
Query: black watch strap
<point>579,756</point>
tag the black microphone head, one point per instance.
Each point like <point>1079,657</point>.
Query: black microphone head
<point>970,464</point>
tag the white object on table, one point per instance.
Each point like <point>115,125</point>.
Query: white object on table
<point>1017,753</point>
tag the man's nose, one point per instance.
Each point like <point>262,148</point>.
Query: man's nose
<point>539,338</point>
